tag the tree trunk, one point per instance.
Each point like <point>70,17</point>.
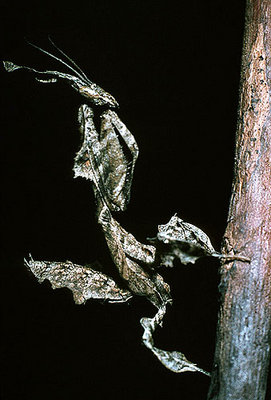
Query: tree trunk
<point>243,333</point>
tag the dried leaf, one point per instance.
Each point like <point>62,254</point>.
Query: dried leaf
<point>181,240</point>
<point>186,242</point>
<point>176,361</point>
<point>84,282</point>
<point>173,360</point>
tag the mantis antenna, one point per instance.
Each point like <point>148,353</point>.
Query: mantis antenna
<point>81,75</point>
<point>68,58</point>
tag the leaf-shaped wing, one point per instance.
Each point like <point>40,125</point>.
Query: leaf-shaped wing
<point>108,158</point>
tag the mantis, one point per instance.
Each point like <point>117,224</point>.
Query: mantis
<point>107,159</point>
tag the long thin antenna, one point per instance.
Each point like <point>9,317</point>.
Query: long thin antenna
<point>68,58</point>
<point>58,59</point>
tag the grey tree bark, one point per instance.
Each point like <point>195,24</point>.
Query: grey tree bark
<point>243,333</point>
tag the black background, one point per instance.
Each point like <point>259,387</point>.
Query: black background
<point>174,69</point>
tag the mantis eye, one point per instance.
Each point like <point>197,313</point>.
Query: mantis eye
<point>98,96</point>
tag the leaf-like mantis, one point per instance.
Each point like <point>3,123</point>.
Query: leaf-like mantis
<point>107,158</point>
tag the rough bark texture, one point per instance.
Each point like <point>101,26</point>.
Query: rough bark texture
<point>243,334</point>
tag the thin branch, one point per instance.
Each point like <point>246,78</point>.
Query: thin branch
<point>243,333</point>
